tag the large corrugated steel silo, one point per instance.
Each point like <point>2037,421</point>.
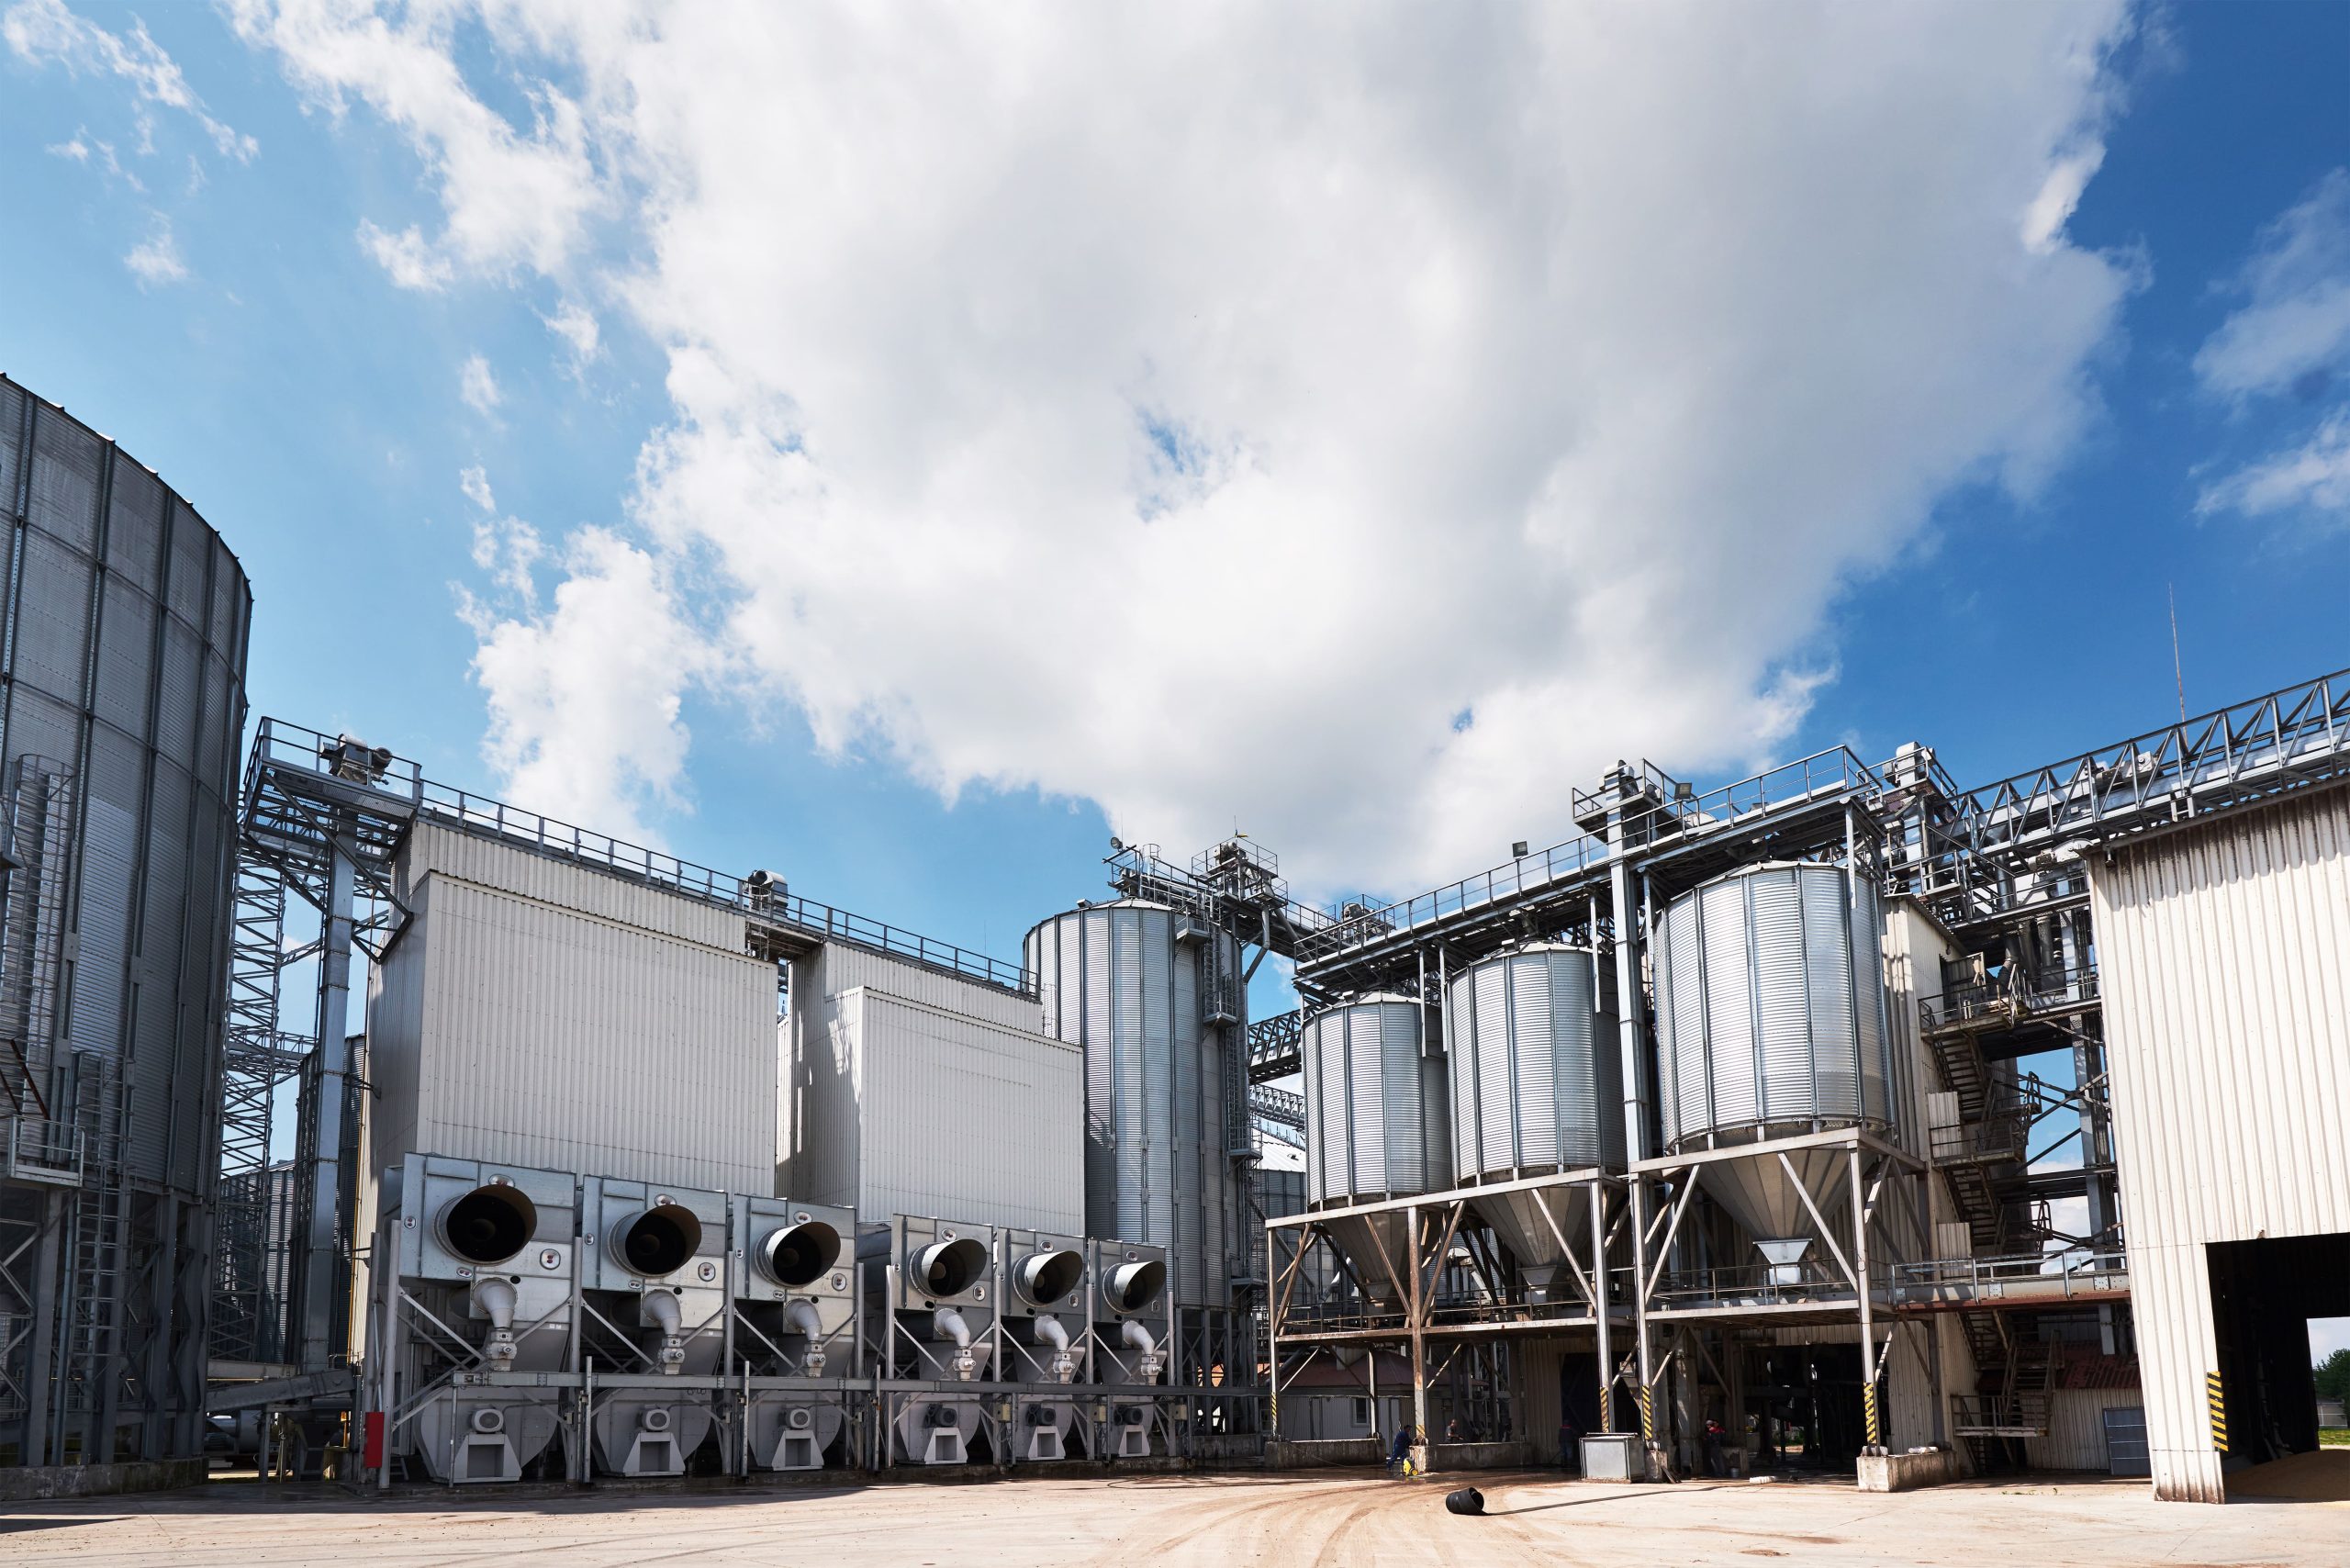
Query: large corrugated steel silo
<point>1151,996</point>
<point>127,621</point>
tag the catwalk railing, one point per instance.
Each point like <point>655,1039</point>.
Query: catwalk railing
<point>280,746</point>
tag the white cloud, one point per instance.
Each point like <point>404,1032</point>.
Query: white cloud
<point>479,386</point>
<point>156,259</point>
<point>576,327</point>
<point>2296,318</point>
<point>2313,477</point>
<point>406,256</point>
<point>511,196</point>
<point>475,482</point>
<point>2044,219</point>
<point>1197,410</point>
<point>44,31</point>
<point>586,697</point>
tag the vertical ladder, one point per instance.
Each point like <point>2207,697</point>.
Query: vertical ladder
<point>96,1259</point>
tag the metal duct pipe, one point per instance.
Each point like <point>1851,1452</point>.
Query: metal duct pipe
<point>1131,1287</point>
<point>657,1241</point>
<point>796,1255</point>
<point>1050,1331</point>
<point>800,1317</point>
<point>496,1299</point>
<point>1045,1278</point>
<point>949,1322</point>
<point>1136,1335</point>
<point>488,1224</point>
<point>661,1307</point>
<point>950,1268</point>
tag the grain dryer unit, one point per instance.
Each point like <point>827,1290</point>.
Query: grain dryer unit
<point>1133,1320</point>
<point>793,1268</point>
<point>653,1306</point>
<point>1042,1298</point>
<point>931,1298</point>
<point>478,1306</point>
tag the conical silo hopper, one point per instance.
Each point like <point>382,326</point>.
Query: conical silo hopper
<point>1375,1128</point>
<point>1769,1003</point>
<point>1537,1090</point>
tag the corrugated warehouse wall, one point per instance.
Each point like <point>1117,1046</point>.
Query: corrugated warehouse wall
<point>2224,950</point>
<point>540,1014</point>
<point>2075,1438</point>
<point>906,1090</point>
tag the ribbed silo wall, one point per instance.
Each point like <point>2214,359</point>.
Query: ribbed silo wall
<point>1770,1004</point>
<point>127,621</point>
<point>1536,1075</point>
<point>1376,1125</point>
<point>1115,980</point>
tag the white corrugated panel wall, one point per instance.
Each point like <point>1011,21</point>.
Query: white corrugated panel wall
<point>2224,952</point>
<point>633,1039</point>
<point>550,880</point>
<point>965,1118</point>
<point>2075,1438</point>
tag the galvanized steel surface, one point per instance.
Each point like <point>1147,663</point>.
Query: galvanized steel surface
<point>1376,1121</point>
<point>523,1030</point>
<point>1536,1076</point>
<point>2225,958</point>
<point>1114,979</point>
<point>1769,1003</point>
<point>127,621</point>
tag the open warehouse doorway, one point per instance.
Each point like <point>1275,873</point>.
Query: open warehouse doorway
<point>2264,1294</point>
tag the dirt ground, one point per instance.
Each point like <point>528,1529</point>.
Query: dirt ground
<point>1334,1517</point>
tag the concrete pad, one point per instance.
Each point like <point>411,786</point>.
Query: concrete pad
<point>1187,1521</point>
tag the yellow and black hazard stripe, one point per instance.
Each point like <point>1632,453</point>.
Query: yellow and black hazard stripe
<point>1648,1413</point>
<point>1868,1410</point>
<point>2216,1400</point>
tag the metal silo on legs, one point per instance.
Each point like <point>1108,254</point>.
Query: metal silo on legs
<point>1376,1128</point>
<point>1537,1090</point>
<point>1154,999</point>
<point>1768,1001</point>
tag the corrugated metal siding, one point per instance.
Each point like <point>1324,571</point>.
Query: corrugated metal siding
<point>81,622</point>
<point>837,969</point>
<point>965,1116</point>
<point>2075,1438</point>
<point>552,880</point>
<point>1539,1364</point>
<point>556,1038</point>
<point>2225,958</point>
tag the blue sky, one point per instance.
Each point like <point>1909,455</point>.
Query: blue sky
<point>277,372</point>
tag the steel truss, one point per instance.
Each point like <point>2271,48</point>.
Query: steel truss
<point>1449,1281</point>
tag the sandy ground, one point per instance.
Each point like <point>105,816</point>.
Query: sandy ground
<point>1323,1517</point>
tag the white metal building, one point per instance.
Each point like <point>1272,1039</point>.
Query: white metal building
<point>2225,951</point>
<point>908,1091</point>
<point>543,1015</point>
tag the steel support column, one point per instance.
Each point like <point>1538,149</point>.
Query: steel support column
<point>322,1274</point>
